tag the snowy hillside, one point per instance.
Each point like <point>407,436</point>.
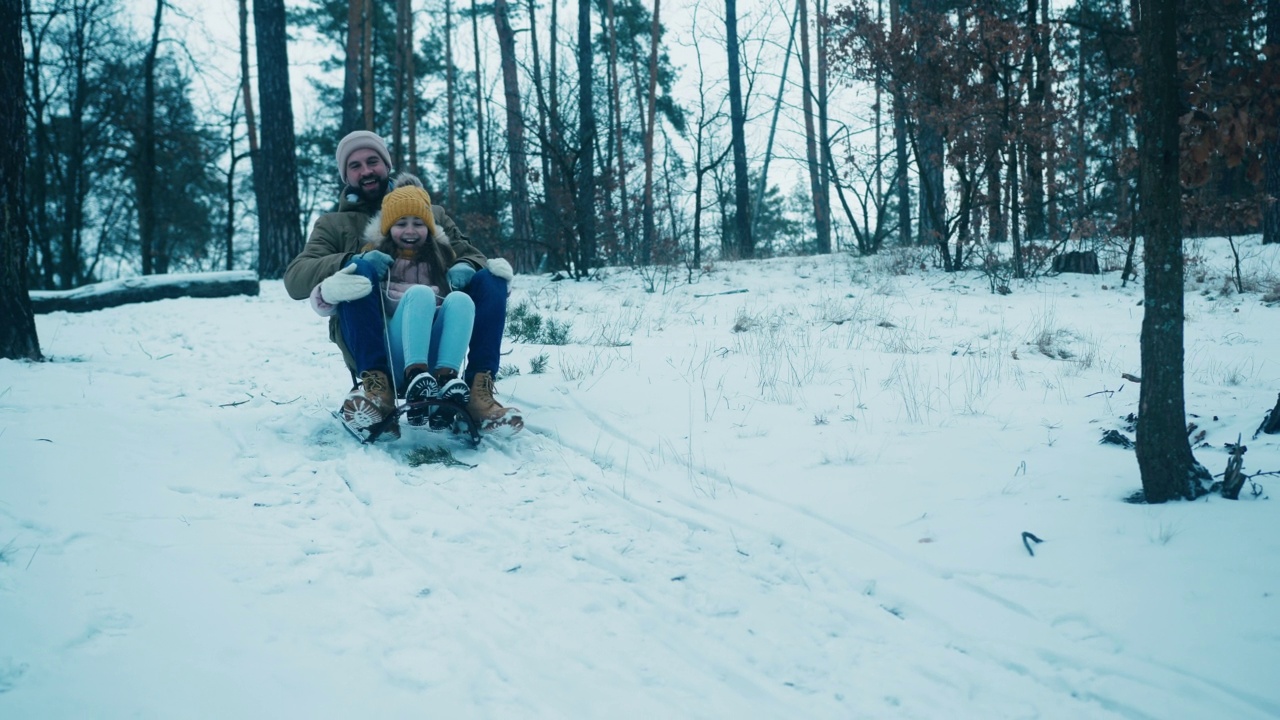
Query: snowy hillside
<point>805,500</point>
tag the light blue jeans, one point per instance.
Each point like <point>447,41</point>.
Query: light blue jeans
<point>420,333</point>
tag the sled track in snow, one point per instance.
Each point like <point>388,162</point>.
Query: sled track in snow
<point>1052,658</point>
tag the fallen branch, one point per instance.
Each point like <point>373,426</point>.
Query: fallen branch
<point>1028,536</point>
<point>723,292</point>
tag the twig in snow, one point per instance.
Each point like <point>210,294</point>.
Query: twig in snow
<point>1106,392</point>
<point>233,404</point>
<point>723,292</point>
<point>33,557</point>
<point>1028,536</point>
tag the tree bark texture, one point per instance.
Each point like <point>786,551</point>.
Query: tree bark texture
<point>897,10</point>
<point>483,151</point>
<point>450,91</point>
<point>1271,211</point>
<point>367,95</point>
<point>153,255</point>
<point>821,213</point>
<point>650,226</point>
<point>250,121</point>
<point>1169,471</point>
<point>279,234</point>
<point>824,137</point>
<point>585,207</point>
<point>522,224</point>
<point>746,245</point>
<point>18,339</point>
<point>351,67</point>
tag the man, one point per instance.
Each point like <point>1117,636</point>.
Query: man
<point>359,328</point>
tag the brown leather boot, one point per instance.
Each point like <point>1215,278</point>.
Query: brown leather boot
<point>370,403</point>
<point>487,410</point>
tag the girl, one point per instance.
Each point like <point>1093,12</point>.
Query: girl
<point>428,327</point>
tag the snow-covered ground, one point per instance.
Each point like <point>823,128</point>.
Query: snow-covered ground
<point>805,500</point>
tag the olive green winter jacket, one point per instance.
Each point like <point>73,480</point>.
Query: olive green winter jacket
<point>339,235</point>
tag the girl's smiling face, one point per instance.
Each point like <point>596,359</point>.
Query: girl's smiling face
<point>409,231</point>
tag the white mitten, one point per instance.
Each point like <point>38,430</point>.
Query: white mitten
<point>501,268</point>
<point>343,286</point>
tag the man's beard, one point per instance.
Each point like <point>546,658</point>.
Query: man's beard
<point>375,194</point>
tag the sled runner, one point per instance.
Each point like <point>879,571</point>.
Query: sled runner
<point>462,422</point>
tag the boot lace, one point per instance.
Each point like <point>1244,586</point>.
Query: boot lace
<point>374,382</point>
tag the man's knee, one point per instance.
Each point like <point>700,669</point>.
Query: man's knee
<point>366,268</point>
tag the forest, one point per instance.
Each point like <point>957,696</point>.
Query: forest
<point>998,133</point>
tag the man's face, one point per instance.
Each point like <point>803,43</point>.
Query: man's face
<point>366,172</point>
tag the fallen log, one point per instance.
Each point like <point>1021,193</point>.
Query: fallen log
<point>1076,261</point>
<point>146,288</point>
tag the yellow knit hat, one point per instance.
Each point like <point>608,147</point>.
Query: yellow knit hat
<point>406,201</point>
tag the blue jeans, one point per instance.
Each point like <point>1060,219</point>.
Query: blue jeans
<point>364,330</point>
<point>490,295</point>
<point>363,327</point>
<point>422,334</point>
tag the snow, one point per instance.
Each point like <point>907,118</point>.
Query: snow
<point>818,515</point>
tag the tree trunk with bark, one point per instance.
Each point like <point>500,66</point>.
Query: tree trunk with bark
<point>1033,148</point>
<point>153,260</point>
<point>279,234</point>
<point>366,63</point>
<point>821,217</point>
<point>250,122</point>
<point>746,246</point>
<point>650,226</point>
<point>585,207</point>
<point>18,338</point>
<point>897,10</point>
<point>522,225</point>
<point>1169,470</point>
<point>450,91</point>
<point>1271,211</point>
<point>352,67</point>
<point>482,146</point>
<point>824,138</point>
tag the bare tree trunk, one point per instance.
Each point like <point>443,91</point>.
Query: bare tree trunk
<point>482,149</point>
<point>1037,95</point>
<point>821,220</point>
<point>18,338</point>
<point>250,122</point>
<point>522,225</point>
<point>1169,470</point>
<point>898,9</point>
<point>351,66</point>
<point>738,120</point>
<point>646,252</point>
<point>279,235</point>
<point>153,257</point>
<point>763,181</point>
<point>1271,211</point>
<point>399,101</point>
<point>411,82</point>
<point>450,91</point>
<point>825,244</point>
<point>879,111</point>
<point>585,205</point>
<point>615,97</point>
<point>367,95</point>
<point>37,185</point>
